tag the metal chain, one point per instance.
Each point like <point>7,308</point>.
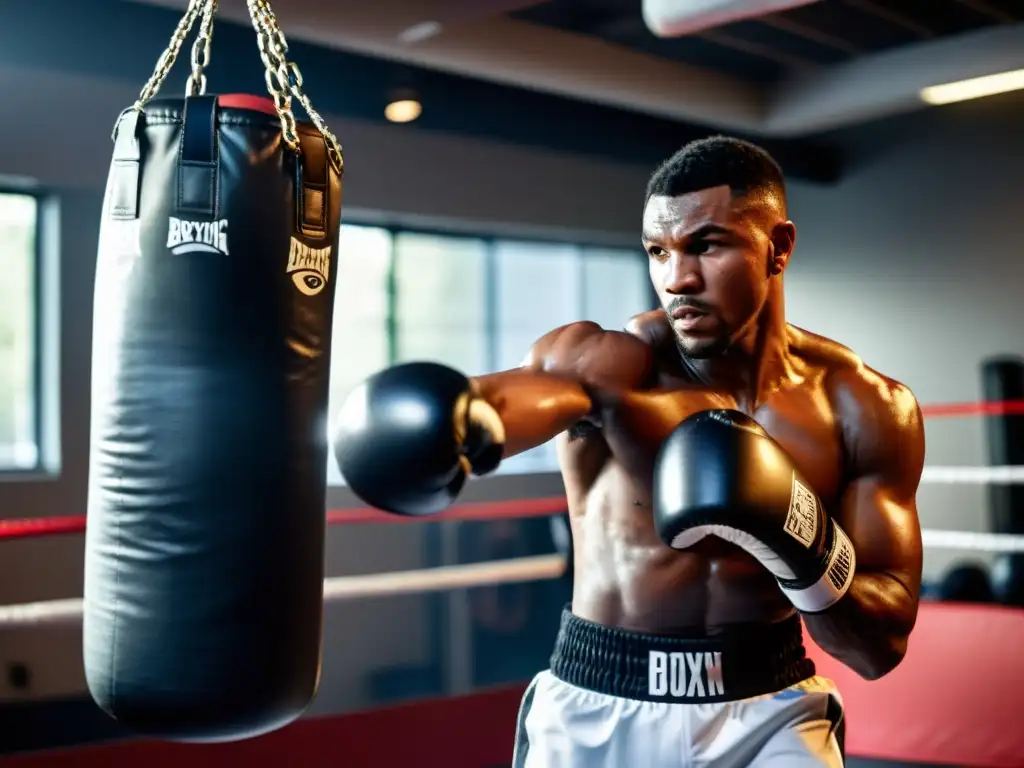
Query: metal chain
<point>273,50</point>
<point>333,145</point>
<point>170,54</point>
<point>196,85</point>
<point>284,80</point>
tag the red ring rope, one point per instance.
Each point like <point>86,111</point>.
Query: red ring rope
<point>952,410</point>
<point>485,510</point>
<point>489,510</point>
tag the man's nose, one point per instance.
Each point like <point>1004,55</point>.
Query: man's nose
<point>683,276</point>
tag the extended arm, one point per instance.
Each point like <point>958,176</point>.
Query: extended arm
<point>868,628</point>
<point>552,389</point>
<point>409,436</point>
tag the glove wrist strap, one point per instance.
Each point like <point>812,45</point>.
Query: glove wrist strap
<point>840,566</point>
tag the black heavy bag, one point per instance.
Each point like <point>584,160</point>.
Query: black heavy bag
<point>1003,381</point>
<point>211,347</point>
<point>965,583</point>
<point>205,538</point>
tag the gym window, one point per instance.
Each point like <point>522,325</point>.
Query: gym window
<point>20,347</point>
<point>473,302</point>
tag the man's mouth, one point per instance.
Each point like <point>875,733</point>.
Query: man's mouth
<point>688,318</point>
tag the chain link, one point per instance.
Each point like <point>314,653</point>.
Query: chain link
<point>196,85</point>
<point>170,54</point>
<point>284,80</point>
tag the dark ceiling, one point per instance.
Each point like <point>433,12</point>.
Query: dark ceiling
<point>70,35</point>
<point>766,49</point>
<point>81,37</point>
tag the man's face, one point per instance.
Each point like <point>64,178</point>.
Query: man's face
<point>708,256</point>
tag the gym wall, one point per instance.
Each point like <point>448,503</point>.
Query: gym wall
<point>913,270</point>
<point>913,260</point>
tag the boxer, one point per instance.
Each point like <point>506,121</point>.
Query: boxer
<point>727,474</point>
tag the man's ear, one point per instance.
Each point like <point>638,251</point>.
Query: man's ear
<point>783,240</point>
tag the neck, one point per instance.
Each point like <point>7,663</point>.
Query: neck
<point>756,361</point>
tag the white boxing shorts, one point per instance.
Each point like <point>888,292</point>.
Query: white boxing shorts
<point>618,699</point>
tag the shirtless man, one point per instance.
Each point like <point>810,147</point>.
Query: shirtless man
<point>727,475</point>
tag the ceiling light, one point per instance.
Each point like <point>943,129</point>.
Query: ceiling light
<point>975,88</point>
<point>403,110</point>
<point>417,33</point>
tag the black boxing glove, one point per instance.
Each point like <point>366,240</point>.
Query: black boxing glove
<point>407,438</point>
<point>720,474</point>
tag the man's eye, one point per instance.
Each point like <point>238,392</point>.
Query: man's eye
<point>700,247</point>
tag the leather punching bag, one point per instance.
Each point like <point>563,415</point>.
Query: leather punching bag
<point>214,297</point>
<point>1003,380</point>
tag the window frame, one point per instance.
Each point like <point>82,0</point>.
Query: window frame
<point>39,336</point>
<point>489,241</point>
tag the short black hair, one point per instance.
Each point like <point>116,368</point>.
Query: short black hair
<point>716,161</point>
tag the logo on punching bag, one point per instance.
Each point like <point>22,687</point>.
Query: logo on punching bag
<point>309,267</point>
<point>197,236</point>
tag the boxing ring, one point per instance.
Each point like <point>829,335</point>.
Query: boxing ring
<point>955,700</point>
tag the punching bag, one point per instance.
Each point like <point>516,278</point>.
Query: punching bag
<point>1003,381</point>
<point>965,583</point>
<point>214,296</point>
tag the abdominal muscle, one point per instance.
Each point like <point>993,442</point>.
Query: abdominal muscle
<point>626,577</point>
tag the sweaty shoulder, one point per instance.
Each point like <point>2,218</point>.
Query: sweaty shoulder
<point>595,357</point>
<point>879,417</point>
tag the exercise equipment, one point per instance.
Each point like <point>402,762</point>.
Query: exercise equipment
<point>214,296</point>
<point>1003,381</point>
<point>965,583</point>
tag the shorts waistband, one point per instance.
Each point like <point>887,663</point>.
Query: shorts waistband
<point>750,660</point>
